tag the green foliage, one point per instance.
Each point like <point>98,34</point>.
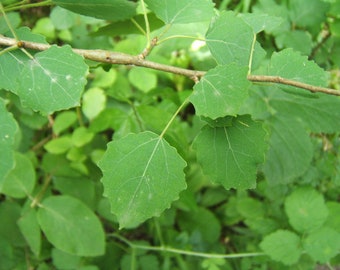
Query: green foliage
<point>108,164</point>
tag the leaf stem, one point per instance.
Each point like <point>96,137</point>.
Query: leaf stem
<point>36,200</point>
<point>251,54</point>
<point>180,36</point>
<point>31,5</point>
<point>164,248</point>
<point>173,117</point>
<point>147,25</point>
<point>8,22</point>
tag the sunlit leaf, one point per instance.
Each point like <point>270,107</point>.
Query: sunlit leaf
<point>142,175</point>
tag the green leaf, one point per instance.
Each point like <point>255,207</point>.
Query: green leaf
<point>323,244</point>
<point>181,11</point>
<point>261,21</point>
<point>20,181</point>
<point>282,246</point>
<point>292,65</point>
<point>63,260</point>
<point>30,229</point>
<point>62,19</point>
<point>71,227</point>
<point>333,220</point>
<point>63,121</point>
<point>53,80</point>
<point>8,130</point>
<point>230,39</point>
<point>12,63</point>
<point>9,230</point>
<point>102,9</point>
<point>218,94</point>
<point>298,40</point>
<point>142,175</point>
<point>81,136</point>
<point>290,151</point>
<point>197,222</point>
<point>230,155</point>
<point>313,15</point>
<point>59,145</point>
<point>143,79</point>
<point>306,209</point>
<point>94,101</point>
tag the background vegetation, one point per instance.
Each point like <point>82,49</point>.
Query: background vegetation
<point>169,134</point>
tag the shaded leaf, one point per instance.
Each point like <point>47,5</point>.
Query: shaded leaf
<point>30,229</point>
<point>8,130</point>
<point>102,9</point>
<point>20,181</point>
<point>181,11</point>
<point>290,151</point>
<point>142,175</point>
<point>230,155</point>
<point>221,91</point>
<point>230,39</point>
<point>71,227</point>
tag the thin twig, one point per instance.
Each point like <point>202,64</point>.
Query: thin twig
<point>280,80</point>
<point>109,57</point>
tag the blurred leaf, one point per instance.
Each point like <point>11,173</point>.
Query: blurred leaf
<point>181,11</point>
<point>314,12</point>
<point>30,229</point>
<point>102,9</point>
<point>8,130</point>
<point>282,246</point>
<point>147,190</point>
<point>202,221</point>
<point>63,121</point>
<point>9,230</point>
<point>306,210</point>
<point>71,227</point>
<point>323,244</point>
<point>143,79</point>
<point>59,145</point>
<point>230,155</point>
<point>63,260</point>
<point>333,220</point>
<point>81,136</point>
<point>62,18</point>
<point>20,181</point>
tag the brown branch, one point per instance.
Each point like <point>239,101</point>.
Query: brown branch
<point>126,59</point>
<point>280,80</point>
<point>104,56</point>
